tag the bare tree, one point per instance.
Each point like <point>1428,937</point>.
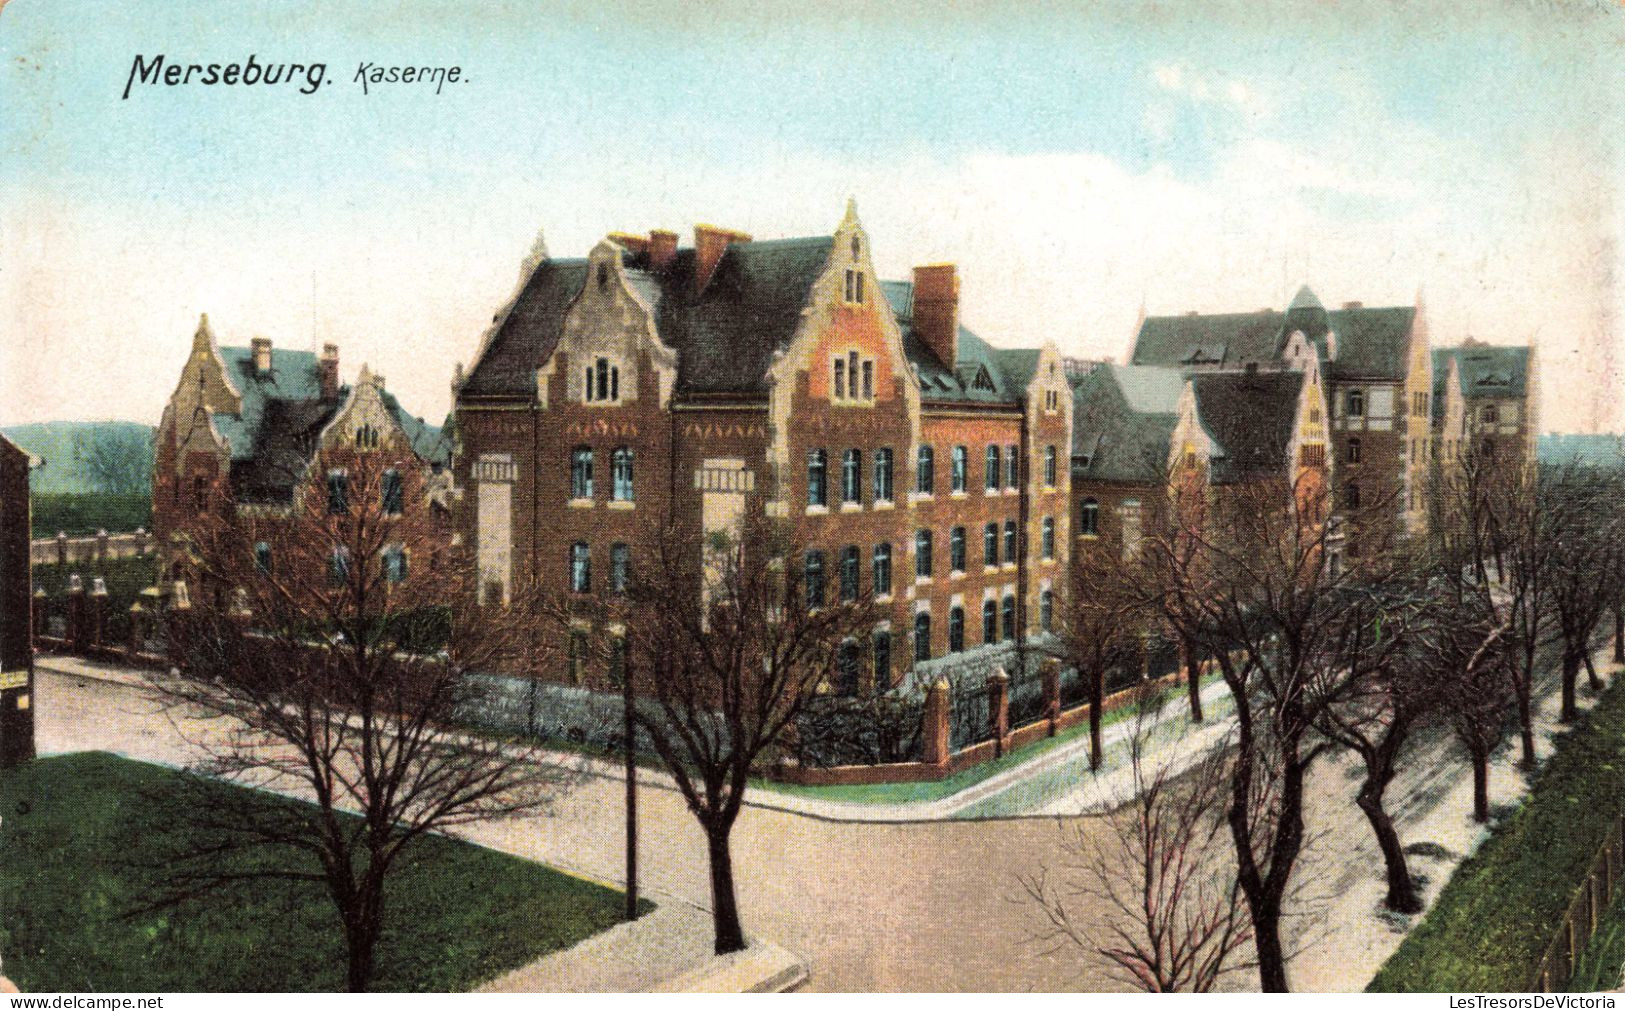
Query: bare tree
<point>1100,629</point>
<point>1146,889</point>
<point>332,654</point>
<point>729,638</point>
<point>1580,508</point>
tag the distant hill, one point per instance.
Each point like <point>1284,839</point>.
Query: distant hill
<point>1597,450</point>
<point>85,457</point>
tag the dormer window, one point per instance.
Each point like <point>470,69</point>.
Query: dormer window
<point>854,287</point>
<point>983,381</point>
<point>853,378</point>
<point>602,382</point>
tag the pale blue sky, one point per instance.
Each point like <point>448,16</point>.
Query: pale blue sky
<point>1074,162</point>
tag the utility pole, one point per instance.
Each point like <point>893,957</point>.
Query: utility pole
<point>628,698</point>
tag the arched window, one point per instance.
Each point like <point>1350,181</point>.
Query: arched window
<point>925,471</point>
<point>620,468</point>
<point>990,621</point>
<point>1009,617</point>
<point>956,549</point>
<point>581,472</point>
<point>1353,454</point>
<point>846,669</point>
<point>882,570</point>
<point>1351,496</point>
<point>1049,466</point>
<point>817,478</point>
<point>882,658</point>
<point>1012,550</point>
<point>992,468</point>
<point>390,493</point>
<point>883,475</point>
<point>956,630</point>
<point>1047,538</point>
<point>990,544</point>
<point>1089,518</point>
<point>815,578</point>
<point>922,636</point>
<point>852,476</point>
<point>1012,466</point>
<point>922,554</point>
<point>580,567</point>
<point>851,563</point>
<point>1046,610</point>
<point>960,467</point>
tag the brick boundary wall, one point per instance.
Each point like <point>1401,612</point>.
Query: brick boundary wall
<point>102,546</point>
<point>987,751</point>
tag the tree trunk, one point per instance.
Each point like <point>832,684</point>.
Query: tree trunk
<point>1481,786</point>
<point>1193,674</point>
<point>724,906</point>
<point>1591,673</point>
<point>1267,944</point>
<point>1526,724</point>
<point>1571,675</point>
<point>1402,897</point>
<point>362,927</point>
<point>1097,701</point>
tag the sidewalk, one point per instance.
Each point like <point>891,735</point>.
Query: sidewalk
<point>1093,792</point>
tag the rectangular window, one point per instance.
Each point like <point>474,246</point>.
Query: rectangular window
<point>580,568</point>
<point>395,563</point>
<point>620,565</point>
<point>1049,466</point>
<point>1011,552</point>
<point>868,379</point>
<point>882,657</point>
<point>961,464</point>
<point>840,378</point>
<point>925,471</point>
<point>990,621</point>
<point>883,475</point>
<point>338,493</point>
<point>882,570</point>
<point>1047,542</point>
<point>850,567</point>
<point>1009,617</point>
<point>391,494</point>
<point>990,544</point>
<point>1012,467</point>
<point>621,474</point>
<point>991,469</point>
<point>852,476</point>
<point>581,472</point>
<point>922,554</point>
<point>815,578</point>
<point>956,549</point>
<point>262,557</point>
<point>817,478</point>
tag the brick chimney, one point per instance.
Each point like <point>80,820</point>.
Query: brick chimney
<point>710,242</point>
<point>261,347</point>
<point>1354,305</point>
<point>662,248</point>
<point>633,244</point>
<point>936,310</point>
<point>330,371</point>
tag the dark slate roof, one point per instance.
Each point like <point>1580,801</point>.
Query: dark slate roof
<point>1123,419</point>
<point>727,336</point>
<point>1250,417</point>
<point>1485,371</point>
<point>283,415</point>
<point>529,332</point>
<point>1370,341</point>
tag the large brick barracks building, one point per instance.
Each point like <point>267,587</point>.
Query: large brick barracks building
<point>649,383</point>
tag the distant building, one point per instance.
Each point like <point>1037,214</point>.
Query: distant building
<point>1377,375</point>
<point>245,424</point>
<point>16,610</point>
<point>649,383</point>
<point>1485,402</point>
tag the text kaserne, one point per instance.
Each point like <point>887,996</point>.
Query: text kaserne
<point>369,74</point>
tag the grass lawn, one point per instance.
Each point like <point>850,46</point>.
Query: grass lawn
<point>1599,967</point>
<point>907,793</point>
<point>76,864</point>
<point>1502,906</point>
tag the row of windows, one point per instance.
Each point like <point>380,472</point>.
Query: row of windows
<point>620,473</point>
<point>998,624</point>
<point>854,378</point>
<point>390,493</point>
<point>620,567</point>
<point>393,560</point>
<point>1001,469</point>
<point>850,559</point>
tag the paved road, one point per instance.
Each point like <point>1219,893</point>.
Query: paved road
<point>873,906</point>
